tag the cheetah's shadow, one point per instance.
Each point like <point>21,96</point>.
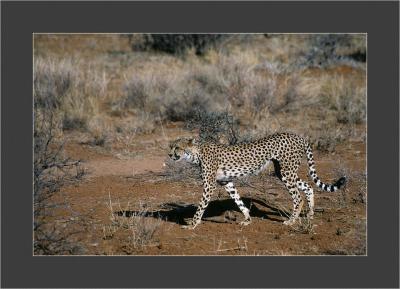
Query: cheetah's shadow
<point>217,211</point>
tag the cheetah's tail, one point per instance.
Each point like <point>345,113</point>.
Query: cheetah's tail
<point>313,174</point>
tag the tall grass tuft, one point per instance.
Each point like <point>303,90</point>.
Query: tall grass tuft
<point>73,90</point>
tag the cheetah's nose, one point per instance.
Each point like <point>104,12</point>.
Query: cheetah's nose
<point>170,155</point>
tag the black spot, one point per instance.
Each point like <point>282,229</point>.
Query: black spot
<point>321,185</point>
<point>332,189</point>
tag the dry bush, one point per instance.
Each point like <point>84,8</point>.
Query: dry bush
<point>143,91</point>
<point>52,170</point>
<point>262,95</point>
<point>215,127</point>
<point>286,94</point>
<point>235,75</point>
<point>326,50</point>
<point>100,140</point>
<point>72,89</point>
<point>52,81</point>
<point>207,78</point>
<point>334,110</point>
<point>158,94</point>
<point>140,225</point>
<point>322,48</point>
<point>255,89</point>
<point>74,123</point>
<point>346,100</point>
<point>178,44</point>
<point>142,230</point>
<point>354,48</point>
<point>326,140</point>
<point>56,83</point>
<point>182,171</point>
<point>182,108</point>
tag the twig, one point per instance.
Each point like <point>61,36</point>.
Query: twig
<point>162,128</point>
<point>231,249</point>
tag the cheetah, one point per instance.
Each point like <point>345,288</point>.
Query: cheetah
<point>222,164</point>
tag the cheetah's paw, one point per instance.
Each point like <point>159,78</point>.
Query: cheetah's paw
<point>289,222</point>
<point>245,222</point>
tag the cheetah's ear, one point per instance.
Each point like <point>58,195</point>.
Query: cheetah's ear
<point>193,141</point>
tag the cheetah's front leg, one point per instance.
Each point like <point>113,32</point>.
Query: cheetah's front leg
<point>209,188</point>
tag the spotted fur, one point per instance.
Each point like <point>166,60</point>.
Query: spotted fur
<point>222,164</point>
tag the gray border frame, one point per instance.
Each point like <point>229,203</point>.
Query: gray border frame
<point>379,269</point>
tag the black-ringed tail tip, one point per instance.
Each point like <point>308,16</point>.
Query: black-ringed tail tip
<point>340,182</point>
<point>330,187</point>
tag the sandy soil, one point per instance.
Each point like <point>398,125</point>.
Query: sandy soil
<point>120,184</point>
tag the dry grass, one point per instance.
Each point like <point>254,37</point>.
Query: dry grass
<point>257,80</point>
<point>221,247</point>
<point>303,226</point>
<point>344,99</point>
<point>70,89</point>
<point>139,227</point>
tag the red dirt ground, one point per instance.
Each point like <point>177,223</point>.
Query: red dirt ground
<point>138,182</point>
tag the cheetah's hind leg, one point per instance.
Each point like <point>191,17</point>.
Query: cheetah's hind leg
<point>233,193</point>
<point>297,200</point>
<point>303,186</point>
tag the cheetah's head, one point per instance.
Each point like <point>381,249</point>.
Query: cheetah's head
<point>184,149</point>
